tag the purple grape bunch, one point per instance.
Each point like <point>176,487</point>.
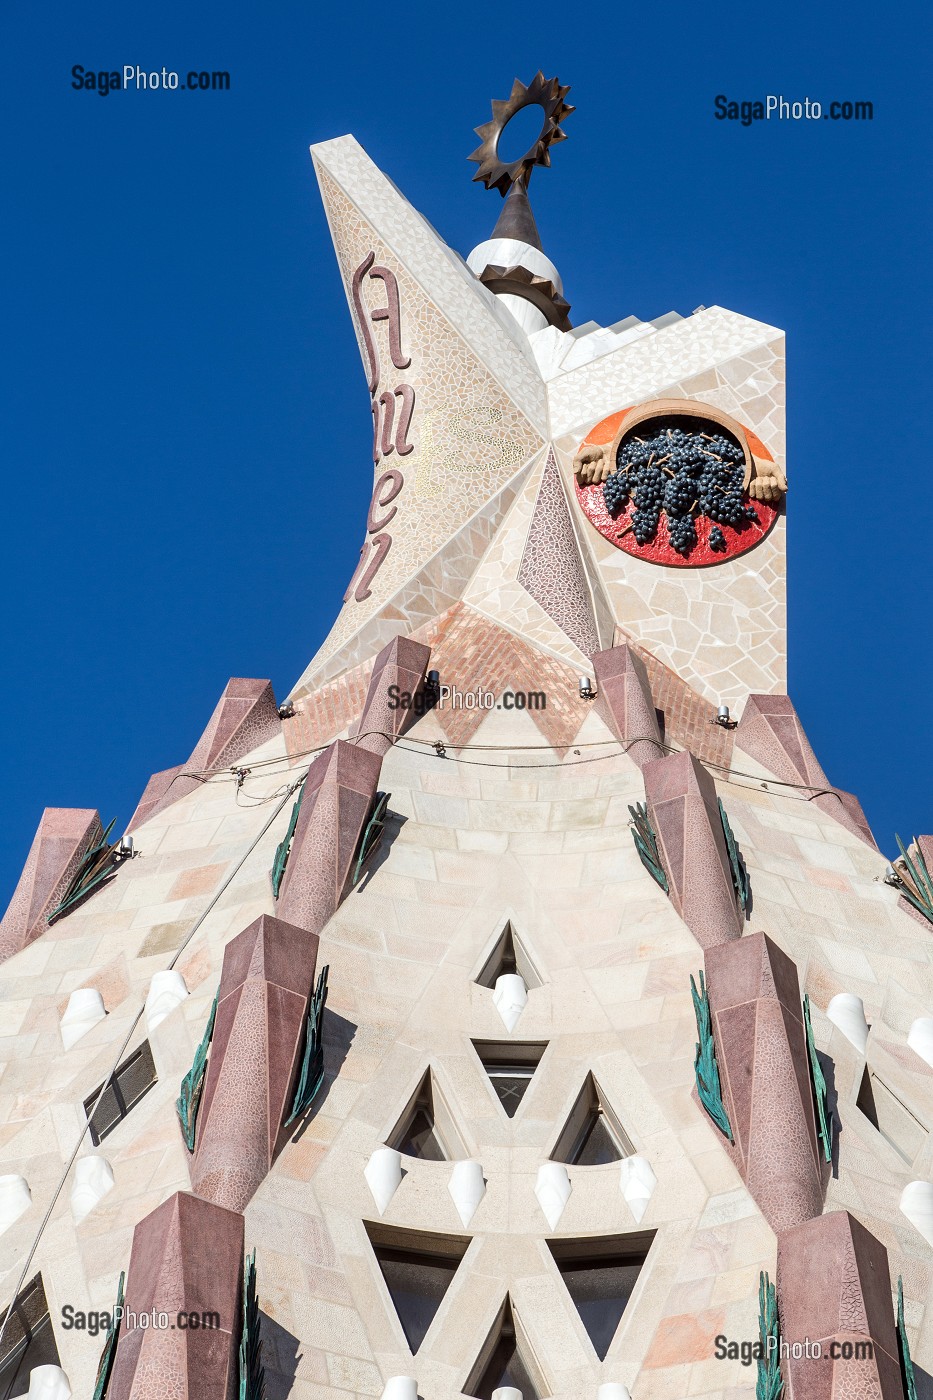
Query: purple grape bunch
<point>684,472</point>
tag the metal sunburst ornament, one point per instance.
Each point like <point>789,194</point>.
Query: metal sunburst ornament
<point>542,92</point>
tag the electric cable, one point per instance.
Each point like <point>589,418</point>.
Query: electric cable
<point>225,885</point>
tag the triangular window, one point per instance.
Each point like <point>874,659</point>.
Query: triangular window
<point>511,1067</point>
<point>600,1276</point>
<point>425,1128</point>
<point>418,1269</point>
<point>508,955</point>
<point>592,1135</point>
<point>505,1361</point>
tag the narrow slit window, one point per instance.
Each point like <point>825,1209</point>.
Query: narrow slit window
<point>132,1080</point>
<point>890,1117</point>
<point>29,1340</point>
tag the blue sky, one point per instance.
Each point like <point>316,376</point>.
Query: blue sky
<point>186,473</point>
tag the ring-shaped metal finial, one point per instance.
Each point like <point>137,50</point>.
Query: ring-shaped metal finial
<point>542,92</point>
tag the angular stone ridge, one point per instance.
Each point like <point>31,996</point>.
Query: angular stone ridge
<point>552,570</point>
<point>268,974</point>
<point>624,700</point>
<point>684,811</point>
<point>245,716</point>
<point>770,731</point>
<point>63,838</point>
<point>764,1068</point>
<point>338,794</point>
<point>403,663</point>
<point>833,1284</point>
<point>187,1257</point>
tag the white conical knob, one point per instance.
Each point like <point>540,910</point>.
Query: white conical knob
<point>847,1011</point>
<point>510,998</point>
<point>400,1388</point>
<point>166,991</point>
<point>85,1008</point>
<point>613,1390</point>
<point>552,1189</point>
<point>383,1175</point>
<point>48,1383</point>
<point>507,1392</point>
<point>917,1204</point>
<point>637,1182</point>
<point>920,1038</point>
<point>93,1179</point>
<point>467,1188</point>
<point>15,1200</point>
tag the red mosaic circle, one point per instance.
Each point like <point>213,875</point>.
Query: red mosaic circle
<point>615,528</point>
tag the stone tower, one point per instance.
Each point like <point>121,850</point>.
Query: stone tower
<point>517,1009</point>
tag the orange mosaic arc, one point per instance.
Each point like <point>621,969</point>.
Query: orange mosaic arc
<point>606,430</point>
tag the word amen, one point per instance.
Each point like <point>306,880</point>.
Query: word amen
<point>747,1351</point>
<point>94,1322</point>
<point>392,414</point>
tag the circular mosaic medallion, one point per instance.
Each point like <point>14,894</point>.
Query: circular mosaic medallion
<point>669,483</point>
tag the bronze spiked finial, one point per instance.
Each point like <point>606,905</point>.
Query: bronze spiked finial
<point>542,92</point>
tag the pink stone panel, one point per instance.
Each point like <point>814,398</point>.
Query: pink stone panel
<point>764,1069</point>
<point>625,703</point>
<point>245,717</point>
<point>771,732</point>
<point>684,812</point>
<point>187,1257</point>
<point>833,1283</point>
<point>155,794</point>
<point>403,663</point>
<point>338,794</point>
<point>552,570</point>
<point>63,838</point>
<point>266,981</point>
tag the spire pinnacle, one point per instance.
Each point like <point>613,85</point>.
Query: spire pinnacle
<point>512,262</point>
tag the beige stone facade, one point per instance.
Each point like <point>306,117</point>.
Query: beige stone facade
<point>504,819</point>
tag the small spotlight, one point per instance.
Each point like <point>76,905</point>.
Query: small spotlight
<point>723,718</point>
<point>891,876</point>
<point>287,711</point>
<point>125,849</point>
<point>433,681</point>
<point>586,688</point>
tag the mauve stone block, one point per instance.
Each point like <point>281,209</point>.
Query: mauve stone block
<point>338,794</point>
<point>63,838</point>
<point>771,732</point>
<point>187,1257</point>
<point>402,663</point>
<point>684,811</point>
<point>833,1284</point>
<point>265,985</point>
<point>624,702</point>
<point>245,716</point>
<point>764,1069</point>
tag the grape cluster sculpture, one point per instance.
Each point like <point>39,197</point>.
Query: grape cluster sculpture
<point>685,475</point>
